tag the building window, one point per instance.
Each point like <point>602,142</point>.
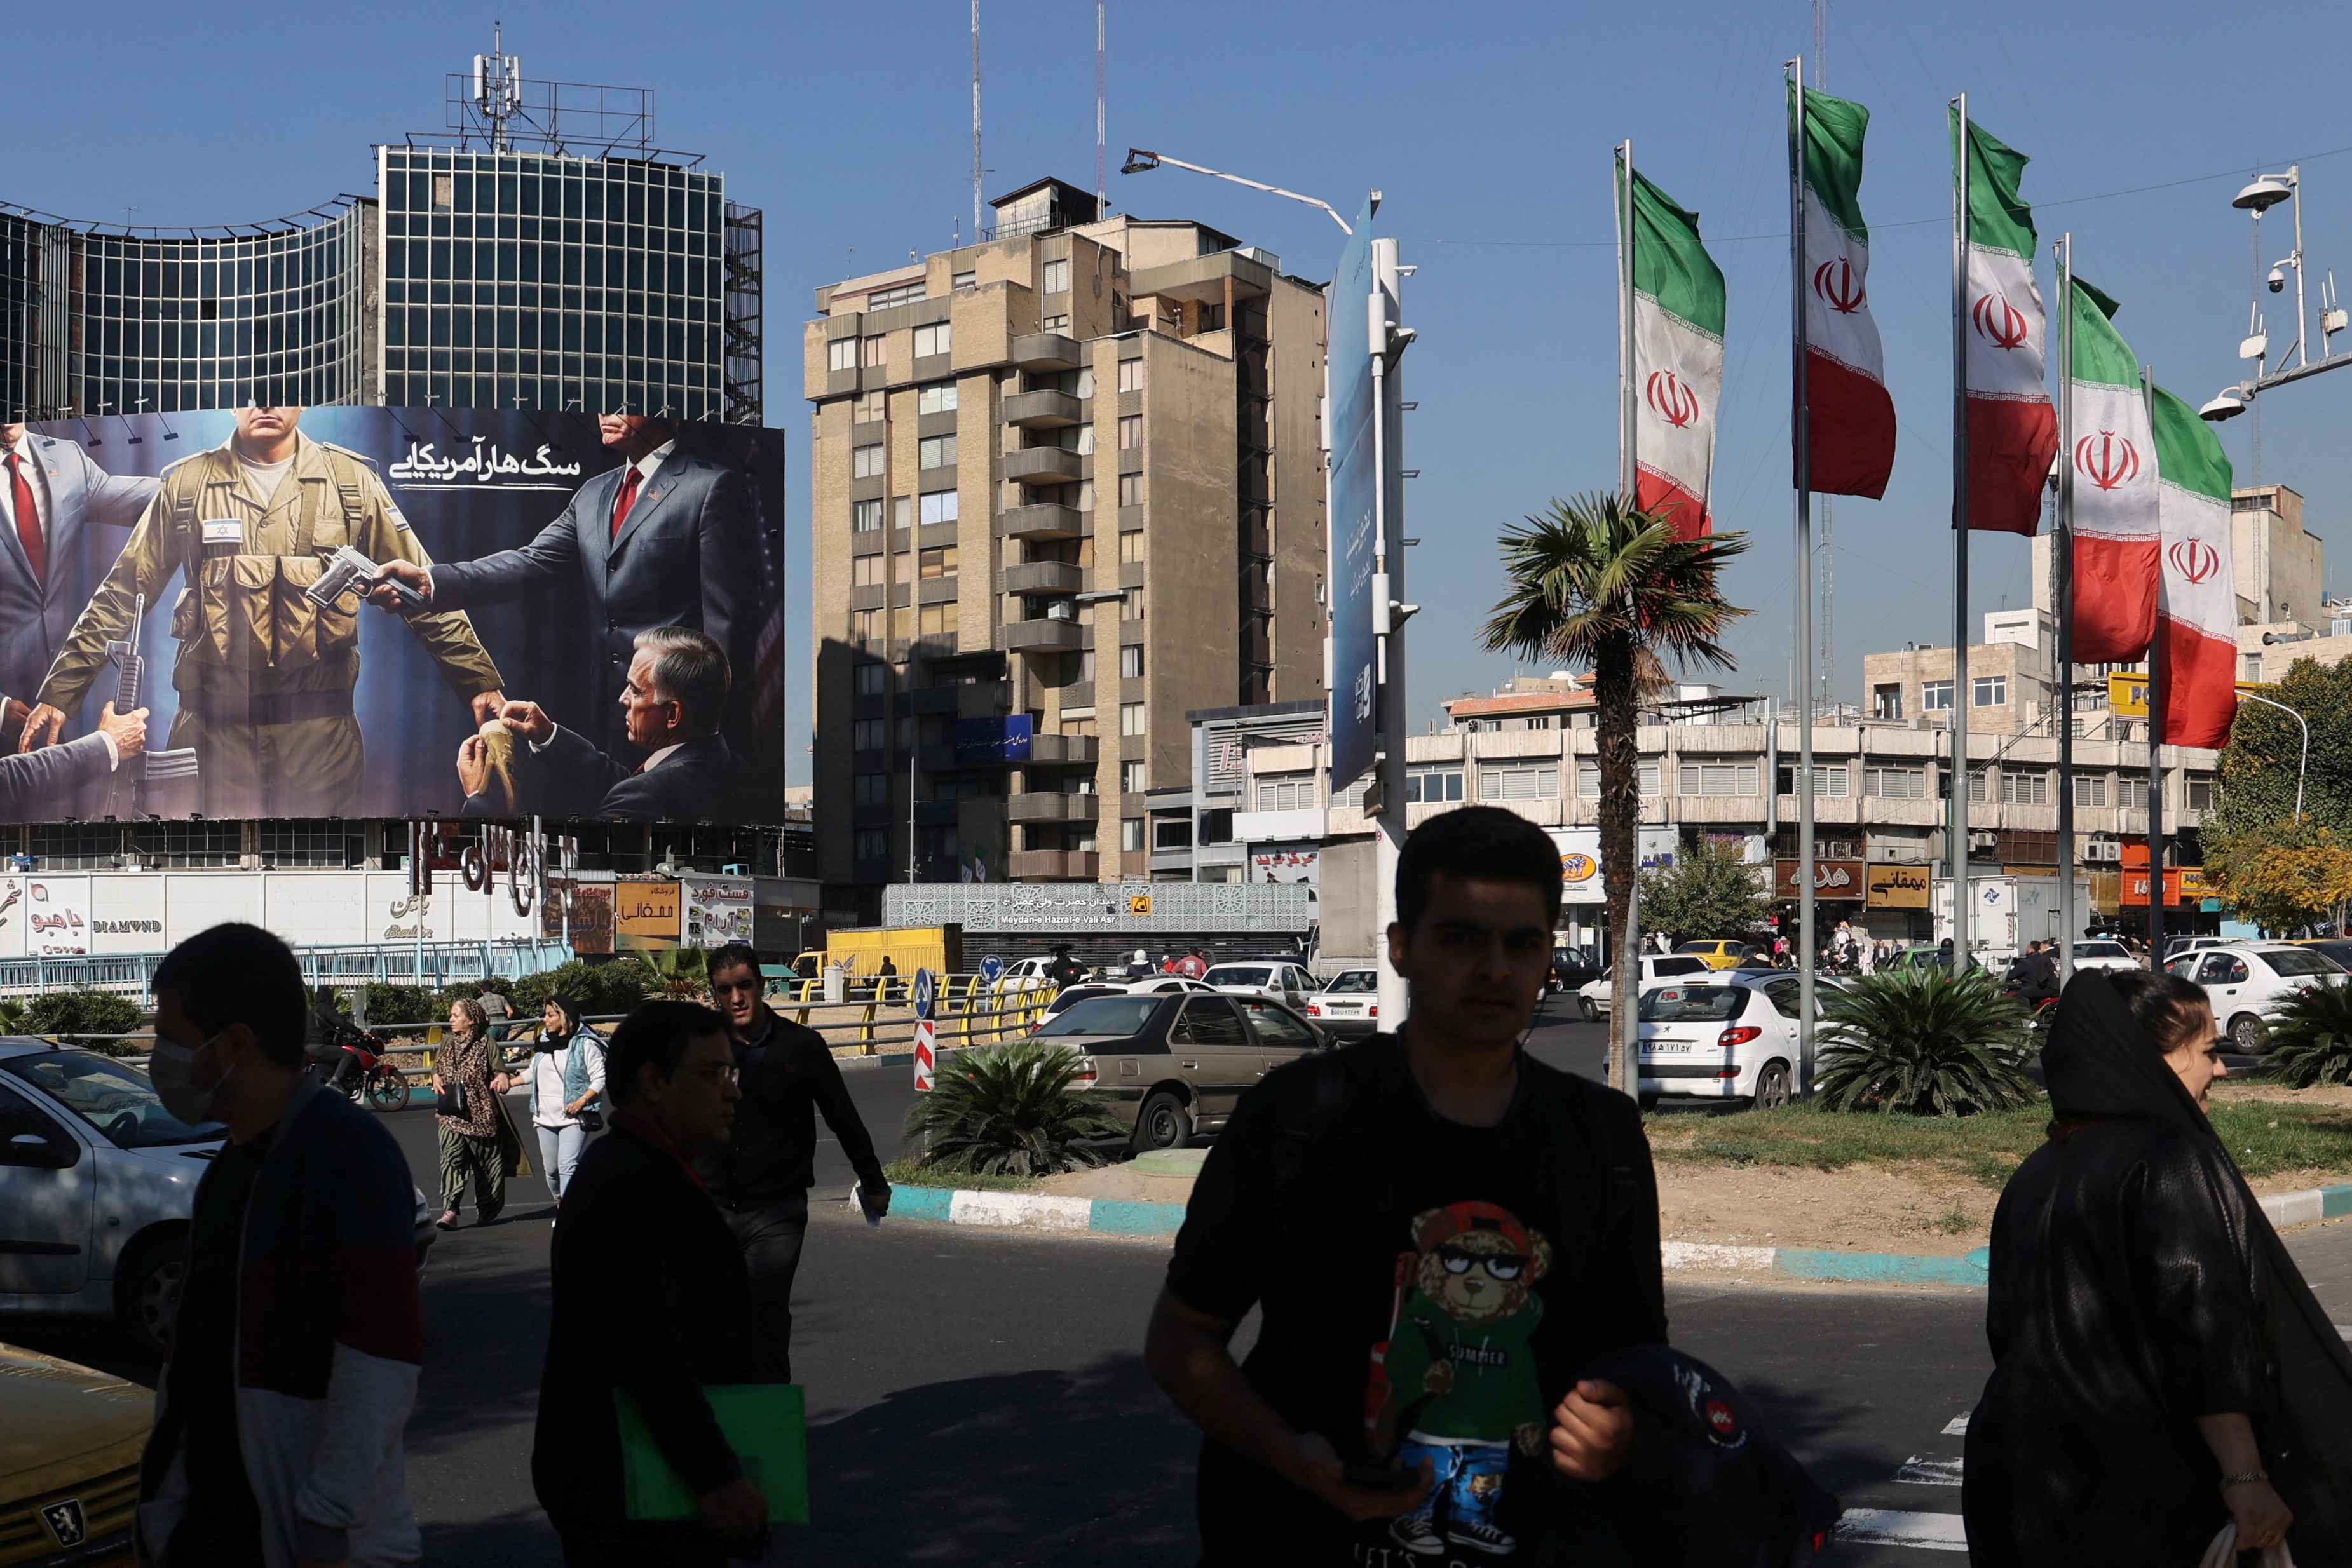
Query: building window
<point>1829,782</point>
<point>939,507</point>
<point>870,735</point>
<point>934,338</point>
<point>1588,780</point>
<point>1286,794</point>
<point>1886,702</point>
<point>1518,783</point>
<point>963,280</point>
<point>1130,489</point>
<point>1130,835</point>
<point>868,680</point>
<point>2201,794</point>
<point>1056,323</point>
<point>874,352</point>
<point>1895,783</point>
<point>901,508</point>
<point>939,397</point>
<point>872,788</point>
<point>896,294</point>
<point>1131,605</point>
<point>936,563</point>
<point>865,517</point>
<point>1935,697</point>
<point>2133,789</point>
<point>841,354</point>
<point>1132,778</point>
<point>938,619</point>
<point>1085,494</point>
<point>1130,547</point>
<point>866,462</point>
<point>871,844</point>
<point>1131,718</point>
<point>1987,691</point>
<point>868,572</point>
<point>869,408</point>
<point>2024,789</point>
<point>2090,788</point>
<point>1130,661</point>
<point>1130,432</point>
<point>1433,786</point>
<point>938,451</point>
<point>865,627</point>
<point>1130,375</point>
<point>1176,834</point>
<point>1718,778</point>
<point>1057,277</point>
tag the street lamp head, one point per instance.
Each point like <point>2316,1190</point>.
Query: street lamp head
<point>2265,194</point>
<point>1138,161</point>
<point>2227,404</point>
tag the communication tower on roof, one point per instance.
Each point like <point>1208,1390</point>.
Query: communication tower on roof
<point>497,87</point>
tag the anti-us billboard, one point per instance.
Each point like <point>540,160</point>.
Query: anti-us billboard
<point>392,613</point>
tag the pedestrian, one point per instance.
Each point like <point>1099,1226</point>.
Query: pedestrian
<point>2159,1366</point>
<point>1192,966</point>
<point>297,1339</point>
<point>888,973</point>
<point>467,1118</point>
<point>761,1180</point>
<point>1168,963</point>
<point>1437,1230</point>
<point>495,1010</point>
<point>567,1081</point>
<point>1138,967</point>
<point>649,1299</point>
<point>2034,976</point>
<point>1064,970</point>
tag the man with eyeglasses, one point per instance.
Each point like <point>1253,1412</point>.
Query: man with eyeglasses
<point>761,1179</point>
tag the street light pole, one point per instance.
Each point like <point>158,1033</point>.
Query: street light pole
<point>1140,162</point>
<point>2301,765</point>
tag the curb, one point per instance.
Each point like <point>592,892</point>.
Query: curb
<point>2312,1203</point>
<point>1034,1211</point>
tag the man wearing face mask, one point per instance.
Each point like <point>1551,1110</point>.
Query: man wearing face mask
<point>296,1342</point>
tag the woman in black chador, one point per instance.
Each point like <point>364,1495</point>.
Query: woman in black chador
<point>2160,1367</point>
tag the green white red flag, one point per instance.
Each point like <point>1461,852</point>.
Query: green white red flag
<point>2197,603</point>
<point>1849,418</point>
<point>1678,358</point>
<point>2012,429</point>
<point>2114,489</point>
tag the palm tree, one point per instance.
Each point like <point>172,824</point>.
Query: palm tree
<point>1597,581</point>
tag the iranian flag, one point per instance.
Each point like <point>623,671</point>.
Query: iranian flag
<point>2114,487</point>
<point>2012,430</point>
<point>1677,358</point>
<point>2197,606</point>
<point>1849,418</point>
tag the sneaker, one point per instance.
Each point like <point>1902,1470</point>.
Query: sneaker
<point>1481,1537</point>
<point>1418,1536</point>
<point>448,1220</point>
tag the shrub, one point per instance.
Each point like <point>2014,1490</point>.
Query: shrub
<point>2311,1038</point>
<point>1008,1109</point>
<point>402,1007</point>
<point>599,989</point>
<point>81,1012</point>
<point>1920,1042</point>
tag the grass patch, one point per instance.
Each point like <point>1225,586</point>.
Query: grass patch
<point>906,1173</point>
<point>2263,1137</point>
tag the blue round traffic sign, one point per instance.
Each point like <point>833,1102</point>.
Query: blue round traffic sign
<point>991,969</point>
<point>924,989</point>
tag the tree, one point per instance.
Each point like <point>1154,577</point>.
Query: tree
<point>2276,871</point>
<point>2281,875</point>
<point>1600,583</point>
<point>1709,891</point>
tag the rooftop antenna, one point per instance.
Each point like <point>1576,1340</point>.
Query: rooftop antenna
<point>975,118</point>
<point>1099,208</point>
<point>497,87</point>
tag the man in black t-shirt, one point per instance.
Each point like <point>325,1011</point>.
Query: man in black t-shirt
<point>1440,1233</point>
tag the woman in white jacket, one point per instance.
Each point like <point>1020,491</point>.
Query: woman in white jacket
<point>567,1084</point>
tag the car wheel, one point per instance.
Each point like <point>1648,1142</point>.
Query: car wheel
<point>2246,1034</point>
<point>1589,1009</point>
<point>147,1290</point>
<point>387,1089</point>
<point>1773,1086</point>
<point>1162,1124</point>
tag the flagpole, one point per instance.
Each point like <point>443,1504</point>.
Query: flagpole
<point>2061,575</point>
<point>1956,824</point>
<point>1801,428</point>
<point>2155,674</point>
<point>1626,468</point>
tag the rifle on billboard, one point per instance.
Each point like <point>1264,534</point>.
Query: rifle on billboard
<point>163,784</point>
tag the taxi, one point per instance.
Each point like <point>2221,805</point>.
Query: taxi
<point>1718,954</point>
<point>70,1444</point>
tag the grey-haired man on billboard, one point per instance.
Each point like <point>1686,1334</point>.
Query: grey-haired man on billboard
<point>665,539</point>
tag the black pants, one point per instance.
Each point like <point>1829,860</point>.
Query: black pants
<point>769,1237</point>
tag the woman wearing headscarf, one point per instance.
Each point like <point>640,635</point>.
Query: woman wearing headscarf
<point>2160,1369</point>
<point>464,1086</point>
<point>567,1080</point>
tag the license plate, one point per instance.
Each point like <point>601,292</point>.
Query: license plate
<point>1665,1047</point>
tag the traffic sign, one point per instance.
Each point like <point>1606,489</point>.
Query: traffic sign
<point>991,969</point>
<point>924,989</point>
<point>925,1037</point>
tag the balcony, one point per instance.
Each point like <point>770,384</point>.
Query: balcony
<point>1043,466</point>
<point>1078,748</point>
<point>1051,806</point>
<point>1048,409</point>
<point>1047,351</point>
<point>1045,636</point>
<point>1053,865</point>
<point>1044,576</point>
<point>1043,522</point>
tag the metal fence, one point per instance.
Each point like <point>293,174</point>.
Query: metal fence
<point>438,964</point>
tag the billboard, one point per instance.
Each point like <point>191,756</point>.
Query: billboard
<point>1579,859</point>
<point>1354,482</point>
<point>226,557</point>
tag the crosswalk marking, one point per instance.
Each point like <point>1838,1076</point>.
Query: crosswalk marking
<point>1958,1427</point>
<point>1929,1473</point>
<point>1894,1527</point>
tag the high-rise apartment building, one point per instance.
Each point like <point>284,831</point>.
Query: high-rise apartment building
<point>1066,486</point>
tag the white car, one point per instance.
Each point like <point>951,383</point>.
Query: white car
<point>2099,953</point>
<point>1592,998</point>
<point>1069,996</point>
<point>2247,981</point>
<point>1348,1007</point>
<point>1277,980</point>
<point>1731,1035</point>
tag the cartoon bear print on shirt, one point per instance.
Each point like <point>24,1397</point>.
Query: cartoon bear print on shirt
<point>1456,1384</point>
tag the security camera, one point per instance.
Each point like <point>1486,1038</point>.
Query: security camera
<point>2277,279</point>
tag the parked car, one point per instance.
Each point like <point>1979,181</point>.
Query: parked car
<point>1348,1007</point>
<point>2102,952</point>
<point>1730,1036</point>
<point>1284,982</point>
<point>2335,947</point>
<point>69,1461</point>
<point>98,1185</point>
<point>1572,968</point>
<point>2247,981</point>
<point>1718,954</point>
<point>2174,946</point>
<point>1070,996</point>
<point>1171,1065</point>
<point>1592,998</point>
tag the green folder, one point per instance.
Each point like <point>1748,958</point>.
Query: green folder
<point>764,1422</point>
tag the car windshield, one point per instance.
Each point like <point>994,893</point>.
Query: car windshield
<point>112,1096</point>
<point>1693,1004</point>
<point>2301,961</point>
<point>1239,975</point>
<point>1102,1016</point>
<point>1076,994</point>
<point>1354,980</point>
<point>2099,950</point>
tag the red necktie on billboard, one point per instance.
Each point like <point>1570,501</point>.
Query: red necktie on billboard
<point>628,498</point>
<point>28,521</point>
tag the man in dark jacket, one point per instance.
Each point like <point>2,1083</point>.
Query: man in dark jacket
<point>649,1298</point>
<point>2033,975</point>
<point>761,1179</point>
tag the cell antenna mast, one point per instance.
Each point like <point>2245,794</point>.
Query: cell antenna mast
<point>975,118</point>
<point>1099,207</point>
<point>497,87</point>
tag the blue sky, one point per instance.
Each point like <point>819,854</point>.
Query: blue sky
<point>1487,126</point>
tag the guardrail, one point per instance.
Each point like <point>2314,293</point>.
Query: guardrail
<point>438,964</point>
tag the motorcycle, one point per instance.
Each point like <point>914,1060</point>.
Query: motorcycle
<point>353,1065</point>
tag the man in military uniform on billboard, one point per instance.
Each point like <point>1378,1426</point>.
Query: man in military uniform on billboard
<point>265,675</point>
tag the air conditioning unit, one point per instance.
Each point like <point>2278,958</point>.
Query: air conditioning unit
<point>1983,841</point>
<point>2102,852</point>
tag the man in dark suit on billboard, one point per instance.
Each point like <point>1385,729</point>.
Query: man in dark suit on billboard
<point>665,539</point>
<point>51,494</point>
<point>677,688</point>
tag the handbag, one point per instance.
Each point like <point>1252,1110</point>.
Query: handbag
<point>451,1101</point>
<point>2223,1553</point>
<point>764,1422</point>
